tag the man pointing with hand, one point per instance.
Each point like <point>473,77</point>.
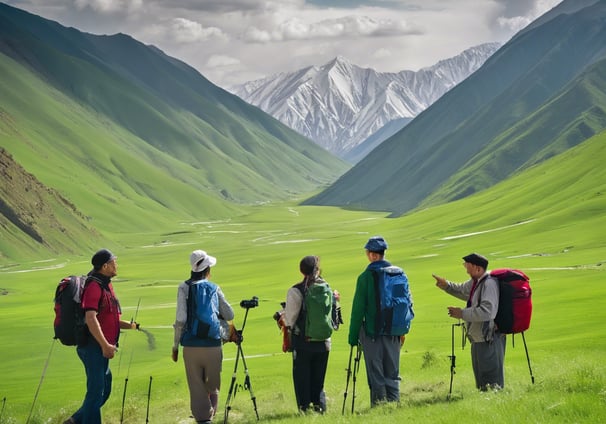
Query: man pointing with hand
<point>481,292</point>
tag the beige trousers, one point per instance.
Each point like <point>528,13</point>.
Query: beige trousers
<point>203,371</point>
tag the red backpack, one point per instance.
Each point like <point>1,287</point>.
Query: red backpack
<point>515,304</point>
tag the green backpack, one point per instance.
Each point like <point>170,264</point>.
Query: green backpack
<point>317,311</point>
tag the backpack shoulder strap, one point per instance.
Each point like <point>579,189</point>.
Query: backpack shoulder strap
<point>88,280</point>
<point>303,290</point>
<point>480,286</point>
<point>300,322</point>
<point>376,275</point>
<point>190,300</point>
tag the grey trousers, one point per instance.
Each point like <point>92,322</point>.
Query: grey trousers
<point>488,359</point>
<point>382,359</point>
<point>203,371</point>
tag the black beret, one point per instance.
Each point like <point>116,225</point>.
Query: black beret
<point>479,260</point>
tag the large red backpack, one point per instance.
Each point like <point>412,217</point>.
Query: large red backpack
<point>515,304</point>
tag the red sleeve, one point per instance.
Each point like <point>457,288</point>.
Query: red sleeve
<point>91,297</point>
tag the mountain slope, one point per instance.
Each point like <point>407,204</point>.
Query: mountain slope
<point>339,105</point>
<point>133,138</point>
<point>170,106</point>
<point>470,130</point>
<point>28,207</point>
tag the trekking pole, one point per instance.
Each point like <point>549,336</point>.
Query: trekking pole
<point>133,319</point>
<point>123,400</point>
<point>527,358</point>
<point>148,398</point>
<point>40,383</point>
<point>347,383</point>
<point>2,411</point>
<point>355,373</point>
<point>453,357</point>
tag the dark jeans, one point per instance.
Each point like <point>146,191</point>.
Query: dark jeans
<point>98,383</point>
<point>308,372</point>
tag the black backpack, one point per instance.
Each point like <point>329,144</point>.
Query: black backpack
<point>70,327</point>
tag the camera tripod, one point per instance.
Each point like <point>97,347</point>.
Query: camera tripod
<point>233,387</point>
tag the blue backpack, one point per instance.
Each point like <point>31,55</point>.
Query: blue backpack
<point>394,303</point>
<point>203,310</point>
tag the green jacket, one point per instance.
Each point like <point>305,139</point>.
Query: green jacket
<point>364,306</point>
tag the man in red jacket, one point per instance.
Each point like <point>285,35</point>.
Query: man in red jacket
<point>102,317</point>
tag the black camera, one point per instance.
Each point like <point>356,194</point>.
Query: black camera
<point>250,303</point>
<point>279,313</point>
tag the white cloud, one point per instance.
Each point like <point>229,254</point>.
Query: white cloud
<point>347,26</point>
<point>382,53</point>
<point>109,6</point>
<point>185,31</point>
<point>513,24</point>
<point>221,61</point>
<point>525,15</point>
<point>231,41</point>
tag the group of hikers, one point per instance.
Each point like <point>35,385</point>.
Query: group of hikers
<point>380,317</point>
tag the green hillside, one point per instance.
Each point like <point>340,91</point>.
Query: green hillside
<point>519,108</point>
<point>575,114</point>
<point>547,221</point>
<point>131,136</point>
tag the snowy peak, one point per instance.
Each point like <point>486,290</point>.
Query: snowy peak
<point>339,105</point>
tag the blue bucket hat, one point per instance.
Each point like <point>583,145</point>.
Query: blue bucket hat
<point>376,244</point>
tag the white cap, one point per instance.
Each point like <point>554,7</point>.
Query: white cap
<point>200,260</point>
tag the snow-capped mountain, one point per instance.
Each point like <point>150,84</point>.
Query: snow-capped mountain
<point>339,105</point>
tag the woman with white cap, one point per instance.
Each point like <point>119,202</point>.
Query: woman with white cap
<point>197,298</point>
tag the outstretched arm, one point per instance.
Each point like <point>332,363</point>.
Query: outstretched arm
<point>440,281</point>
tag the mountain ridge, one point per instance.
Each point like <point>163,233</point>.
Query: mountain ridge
<point>107,120</point>
<point>475,117</point>
<point>339,105</point>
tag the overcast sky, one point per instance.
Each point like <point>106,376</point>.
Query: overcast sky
<point>233,41</point>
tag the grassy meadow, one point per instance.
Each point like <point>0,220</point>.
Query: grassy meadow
<point>548,221</point>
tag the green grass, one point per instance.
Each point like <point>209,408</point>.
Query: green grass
<point>547,221</point>
<point>258,255</point>
<point>153,209</point>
